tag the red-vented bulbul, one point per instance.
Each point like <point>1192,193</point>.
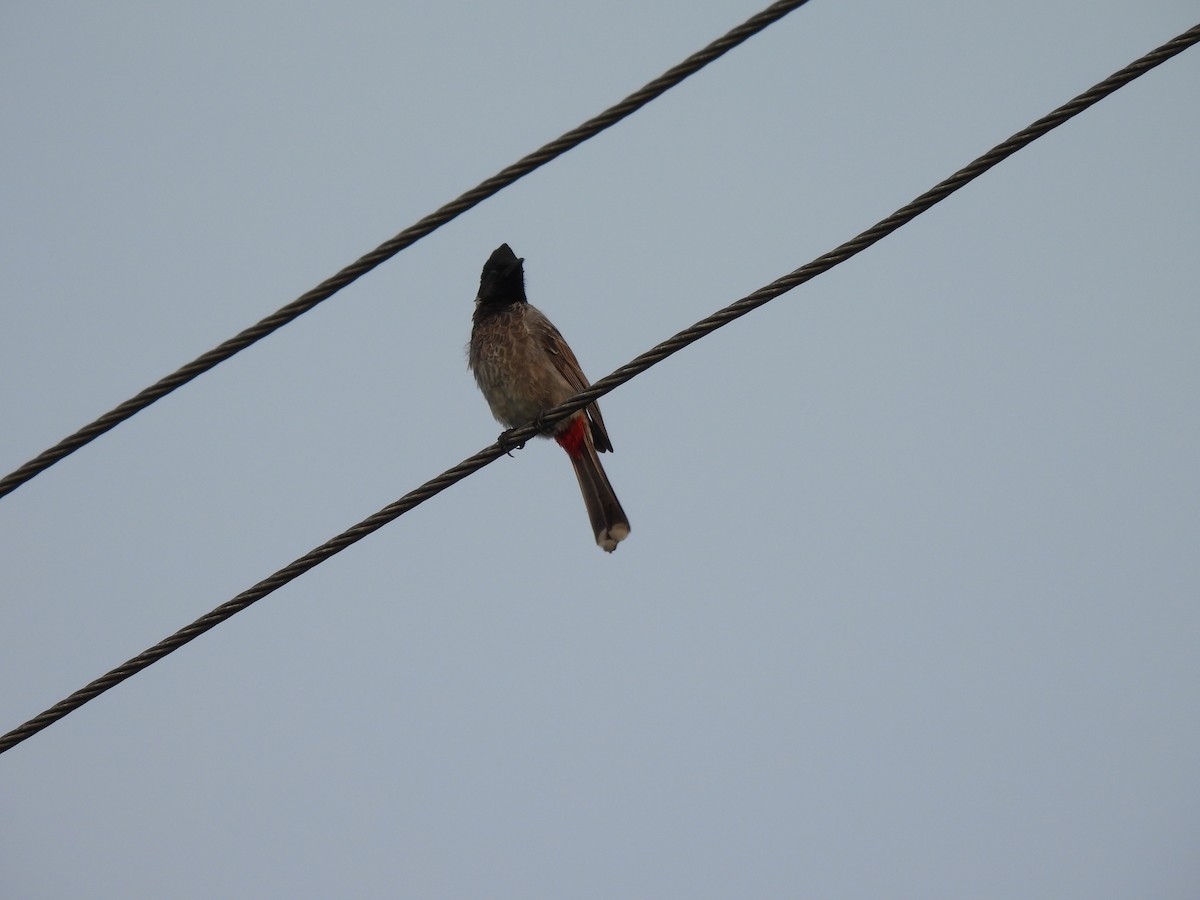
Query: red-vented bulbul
<point>524,367</point>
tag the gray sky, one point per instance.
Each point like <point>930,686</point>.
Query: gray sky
<point>910,604</point>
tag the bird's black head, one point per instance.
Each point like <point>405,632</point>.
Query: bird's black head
<point>503,278</point>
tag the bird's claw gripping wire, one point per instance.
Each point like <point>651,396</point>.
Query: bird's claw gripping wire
<point>508,444</point>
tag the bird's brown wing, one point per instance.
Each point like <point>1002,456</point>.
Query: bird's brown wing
<point>568,366</point>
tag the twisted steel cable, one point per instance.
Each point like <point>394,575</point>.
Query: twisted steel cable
<point>405,238</point>
<point>638,365</point>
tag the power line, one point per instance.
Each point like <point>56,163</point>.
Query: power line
<point>405,238</point>
<point>705,326</point>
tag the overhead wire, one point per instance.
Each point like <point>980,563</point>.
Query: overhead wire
<point>626,372</point>
<point>405,238</point>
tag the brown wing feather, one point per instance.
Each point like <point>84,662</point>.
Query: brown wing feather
<point>568,366</point>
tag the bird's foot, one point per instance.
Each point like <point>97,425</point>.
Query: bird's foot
<point>508,443</point>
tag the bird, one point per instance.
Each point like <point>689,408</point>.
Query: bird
<point>524,367</point>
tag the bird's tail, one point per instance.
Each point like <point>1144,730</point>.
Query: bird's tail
<point>609,522</point>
